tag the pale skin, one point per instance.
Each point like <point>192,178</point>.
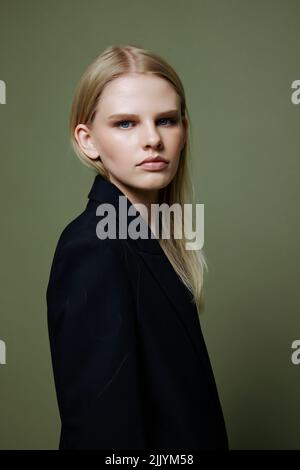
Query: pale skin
<point>125,141</point>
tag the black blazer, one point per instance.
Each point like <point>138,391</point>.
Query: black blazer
<point>130,364</point>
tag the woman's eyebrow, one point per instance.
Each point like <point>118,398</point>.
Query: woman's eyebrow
<point>171,112</point>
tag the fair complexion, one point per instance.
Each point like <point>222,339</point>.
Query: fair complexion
<point>148,123</point>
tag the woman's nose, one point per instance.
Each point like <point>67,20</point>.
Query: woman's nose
<point>151,136</point>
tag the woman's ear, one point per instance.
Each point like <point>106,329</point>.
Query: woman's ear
<point>84,139</point>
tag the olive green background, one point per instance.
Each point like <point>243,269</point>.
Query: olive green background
<point>237,60</point>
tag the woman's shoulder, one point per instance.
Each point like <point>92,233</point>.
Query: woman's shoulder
<point>81,226</point>
<point>84,266</point>
<point>78,242</point>
<point>82,230</point>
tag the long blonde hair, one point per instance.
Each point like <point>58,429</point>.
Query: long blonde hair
<point>110,64</point>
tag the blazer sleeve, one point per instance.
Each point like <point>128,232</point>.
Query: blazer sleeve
<point>91,325</point>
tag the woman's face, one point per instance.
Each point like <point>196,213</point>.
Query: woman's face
<point>148,124</point>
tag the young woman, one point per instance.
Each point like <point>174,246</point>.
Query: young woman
<point>130,364</point>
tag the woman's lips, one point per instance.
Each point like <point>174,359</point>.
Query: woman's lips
<point>153,166</point>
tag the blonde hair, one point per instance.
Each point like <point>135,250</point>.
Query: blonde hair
<point>110,64</point>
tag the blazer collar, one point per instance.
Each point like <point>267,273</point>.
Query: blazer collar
<point>105,191</point>
<point>157,262</point>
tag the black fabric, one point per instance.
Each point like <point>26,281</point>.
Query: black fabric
<point>130,364</point>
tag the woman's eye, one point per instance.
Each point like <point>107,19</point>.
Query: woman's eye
<point>168,119</point>
<point>122,122</point>
<point>118,124</point>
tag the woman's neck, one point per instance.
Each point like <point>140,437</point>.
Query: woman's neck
<point>140,196</point>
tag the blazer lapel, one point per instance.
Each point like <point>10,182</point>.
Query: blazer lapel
<point>158,264</point>
<point>177,293</point>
